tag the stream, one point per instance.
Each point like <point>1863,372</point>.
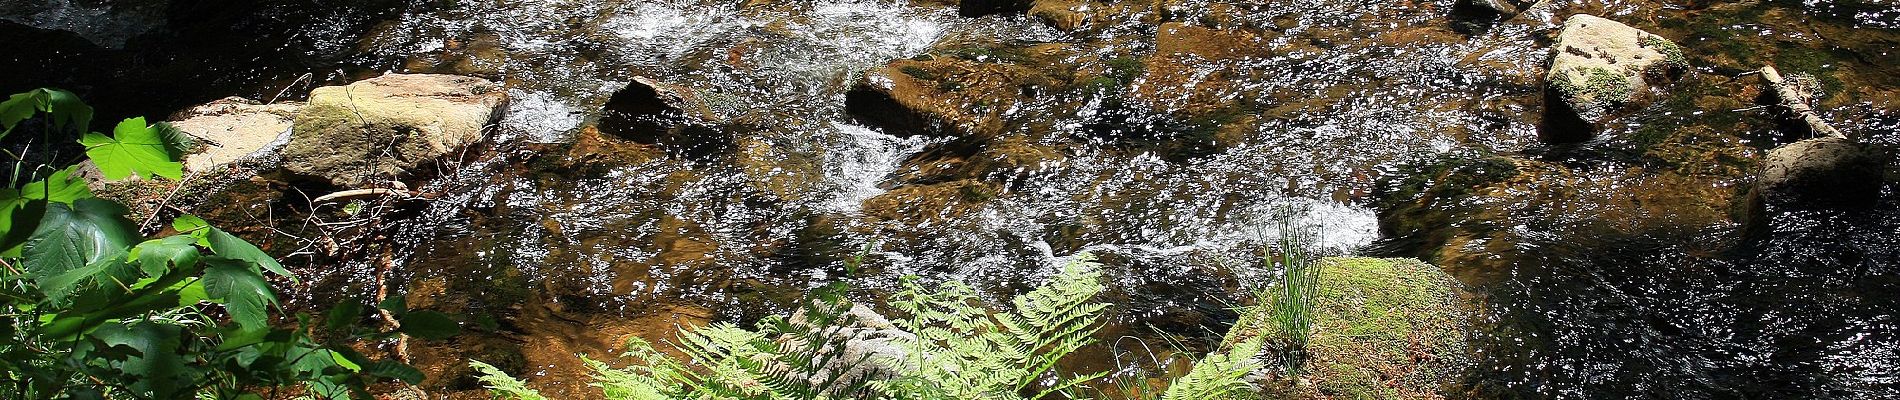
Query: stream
<point>1629,267</point>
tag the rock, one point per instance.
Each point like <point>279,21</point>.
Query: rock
<point>1600,65</point>
<point>964,91</point>
<point>383,127</point>
<point>978,8</point>
<point>1496,7</point>
<point>1822,172</point>
<point>234,128</point>
<point>1388,328</point>
<point>676,118</point>
<point>105,23</point>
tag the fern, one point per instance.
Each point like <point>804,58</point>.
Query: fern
<point>960,351</point>
<point>947,347</point>
<point>502,385</point>
<point>1220,375</point>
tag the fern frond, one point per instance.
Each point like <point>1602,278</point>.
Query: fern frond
<point>502,385</point>
<point>1220,375</point>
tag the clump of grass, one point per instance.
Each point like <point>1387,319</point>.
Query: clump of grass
<point>1290,303</point>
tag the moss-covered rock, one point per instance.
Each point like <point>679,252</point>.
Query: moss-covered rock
<point>1383,328</point>
<point>1599,65</point>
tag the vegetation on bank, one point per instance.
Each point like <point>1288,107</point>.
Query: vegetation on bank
<point>91,308</point>
<point>944,346</point>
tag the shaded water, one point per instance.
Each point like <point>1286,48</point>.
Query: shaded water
<point>1592,299</point>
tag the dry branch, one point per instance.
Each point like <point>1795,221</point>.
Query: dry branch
<point>1795,101</point>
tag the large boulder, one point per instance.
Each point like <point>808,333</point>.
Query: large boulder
<point>381,128</point>
<point>1599,65</point>
<point>1822,172</point>
<point>234,128</point>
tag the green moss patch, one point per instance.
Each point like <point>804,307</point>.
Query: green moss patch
<point>1384,328</point>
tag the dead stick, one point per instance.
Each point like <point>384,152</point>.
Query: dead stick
<point>1797,102</point>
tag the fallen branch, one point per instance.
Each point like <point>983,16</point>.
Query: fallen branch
<point>1796,101</point>
<point>357,193</point>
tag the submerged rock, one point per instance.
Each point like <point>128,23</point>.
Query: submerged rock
<point>1383,328</point>
<point>1599,65</point>
<point>234,128</point>
<point>383,127</point>
<point>1824,172</point>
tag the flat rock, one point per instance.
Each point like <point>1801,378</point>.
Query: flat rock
<point>234,128</point>
<point>383,127</point>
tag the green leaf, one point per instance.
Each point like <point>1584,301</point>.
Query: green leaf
<point>89,232</point>
<point>343,314</point>
<point>395,370</point>
<point>190,224</point>
<point>65,107</point>
<point>240,288</point>
<point>230,246</point>
<point>429,325</point>
<point>158,369</point>
<point>157,256</point>
<point>109,273</point>
<point>63,186</point>
<point>396,305</point>
<point>19,217</point>
<point>134,147</point>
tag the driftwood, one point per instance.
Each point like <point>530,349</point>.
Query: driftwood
<point>1795,101</point>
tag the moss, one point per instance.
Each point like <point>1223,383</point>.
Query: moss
<point>1794,59</point>
<point>1600,86</point>
<point>919,73</point>
<point>1124,69</point>
<point>1672,54</point>
<point>1387,328</point>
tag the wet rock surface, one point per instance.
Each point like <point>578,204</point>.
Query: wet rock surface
<point>381,128</point>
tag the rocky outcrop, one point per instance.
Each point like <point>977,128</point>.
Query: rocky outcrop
<point>1822,172</point>
<point>383,127</point>
<point>234,128</point>
<point>1382,329</point>
<point>1599,65</point>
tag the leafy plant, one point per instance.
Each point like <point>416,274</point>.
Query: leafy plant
<point>89,308</point>
<point>947,347</point>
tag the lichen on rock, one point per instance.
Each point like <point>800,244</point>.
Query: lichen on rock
<point>1599,65</point>
<point>382,127</point>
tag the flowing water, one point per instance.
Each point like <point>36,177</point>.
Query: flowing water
<point>557,243</point>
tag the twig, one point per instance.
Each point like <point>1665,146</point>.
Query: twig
<point>356,193</point>
<point>163,203</point>
<point>280,93</point>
